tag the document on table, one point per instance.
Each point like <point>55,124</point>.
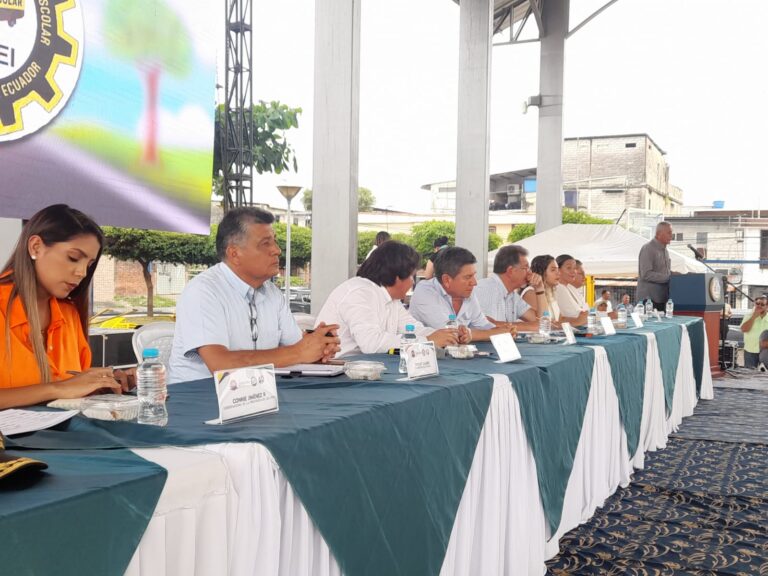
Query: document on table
<point>15,421</point>
<point>310,370</point>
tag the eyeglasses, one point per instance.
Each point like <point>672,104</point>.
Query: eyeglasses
<point>253,316</point>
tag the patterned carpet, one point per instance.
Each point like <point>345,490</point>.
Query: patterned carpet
<point>700,507</point>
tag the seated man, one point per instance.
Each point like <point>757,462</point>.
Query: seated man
<point>605,296</point>
<point>498,295</point>
<point>450,292</point>
<point>763,365</point>
<point>368,309</point>
<point>232,316</point>
<point>753,326</point>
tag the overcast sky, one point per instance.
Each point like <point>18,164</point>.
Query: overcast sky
<point>691,74</point>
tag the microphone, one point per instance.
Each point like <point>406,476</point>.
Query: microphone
<point>699,255</point>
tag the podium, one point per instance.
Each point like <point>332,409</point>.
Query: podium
<point>701,295</point>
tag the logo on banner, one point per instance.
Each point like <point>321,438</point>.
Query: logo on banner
<point>41,46</point>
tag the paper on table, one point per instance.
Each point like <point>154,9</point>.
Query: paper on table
<point>311,369</point>
<point>15,421</point>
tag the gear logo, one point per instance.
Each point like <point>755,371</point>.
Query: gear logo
<point>41,47</point>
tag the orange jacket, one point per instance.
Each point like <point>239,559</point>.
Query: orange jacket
<point>67,345</point>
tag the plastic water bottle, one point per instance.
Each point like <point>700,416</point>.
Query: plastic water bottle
<point>150,385</point>
<point>670,312</point>
<point>630,309</point>
<point>592,322</point>
<point>622,316</point>
<point>452,323</point>
<point>648,308</point>
<point>545,324</point>
<point>406,340</point>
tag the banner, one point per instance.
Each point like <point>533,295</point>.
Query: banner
<point>108,106</point>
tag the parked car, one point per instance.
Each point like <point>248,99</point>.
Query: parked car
<point>301,300</point>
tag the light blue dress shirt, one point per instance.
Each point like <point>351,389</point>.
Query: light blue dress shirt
<point>431,305</point>
<point>214,309</point>
<point>497,303</point>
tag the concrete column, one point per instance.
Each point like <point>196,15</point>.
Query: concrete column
<point>10,230</point>
<point>549,178</point>
<point>472,166</point>
<point>336,137</point>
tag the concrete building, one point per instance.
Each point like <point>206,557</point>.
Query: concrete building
<point>602,175</point>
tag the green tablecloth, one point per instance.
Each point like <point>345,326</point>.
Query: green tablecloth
<point>380,467</point>
<point>85,514</point>
<point>552,383</point>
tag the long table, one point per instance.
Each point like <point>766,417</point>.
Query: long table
<point>238,507</point>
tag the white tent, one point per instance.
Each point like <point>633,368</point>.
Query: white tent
<point>605,249</point>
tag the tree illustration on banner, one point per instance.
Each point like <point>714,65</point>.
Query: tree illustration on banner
<point>151,35</point>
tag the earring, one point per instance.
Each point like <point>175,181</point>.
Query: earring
<point>34,257</point>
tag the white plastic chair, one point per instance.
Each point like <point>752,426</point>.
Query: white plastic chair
<point>154,335</point>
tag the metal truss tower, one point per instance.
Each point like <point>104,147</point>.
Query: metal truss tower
<point>237,136</point>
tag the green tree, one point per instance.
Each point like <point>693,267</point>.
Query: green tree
<point>365,199</point>
<point>147,246</point>
<point>570,216</point>
<point>424,235</point>
<point>151,35</point>
<point>494,241</point>
<point>301,243</point>
<point>271,150</point>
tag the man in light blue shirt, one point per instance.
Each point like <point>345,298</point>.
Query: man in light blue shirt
<point>232,315</point>
<point>450,292</point>
<point>498,296</point>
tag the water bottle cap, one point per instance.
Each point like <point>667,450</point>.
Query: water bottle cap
<point>410,328</point>
<point>546,313</point>
<point>150,353</point>
<point>621,307</point>
<point>451,316</point>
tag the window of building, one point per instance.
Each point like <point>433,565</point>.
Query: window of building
<point>630,145</point>
<point>491,229</point>
<point>677,236</point>
<point>613,190</point>
<point>764,249</point>
<point>701,238</point>
<point>571,199</point>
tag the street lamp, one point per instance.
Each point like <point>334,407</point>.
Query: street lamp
<point>289,193</point>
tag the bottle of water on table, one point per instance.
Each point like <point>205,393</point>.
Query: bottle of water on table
<point>151,388</point>
<point>406,339</point>
<point>622,316</point>
<point>648,308</point>
<point>592,322</point>
<point>452,323</point>
<point>545,324</point>
<point>670,312</point>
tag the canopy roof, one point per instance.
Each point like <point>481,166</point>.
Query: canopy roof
<point>605,249</point>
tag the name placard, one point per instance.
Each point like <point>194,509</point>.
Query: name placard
<point>607,325</point>
<point>505,347</point>
<point>421,360</point>
<point>636,319</point>
<point>570,337</point>
<point>245,392</point>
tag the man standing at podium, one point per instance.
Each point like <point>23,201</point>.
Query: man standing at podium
<point>655,268</point>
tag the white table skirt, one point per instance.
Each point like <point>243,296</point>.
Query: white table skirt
<point>227,508</point>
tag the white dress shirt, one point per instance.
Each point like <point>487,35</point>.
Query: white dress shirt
<point>214,309</point>
<point>570,301</point>
<point>496,302</point>
<point>369,320</point>
<point>610,306</point>
<point>432,305</point>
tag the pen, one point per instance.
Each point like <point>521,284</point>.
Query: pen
<point>312,330</point>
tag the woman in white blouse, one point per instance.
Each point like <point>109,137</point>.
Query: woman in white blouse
<point>573,307</point>
<point>546,267</point>
<point>368,308</point>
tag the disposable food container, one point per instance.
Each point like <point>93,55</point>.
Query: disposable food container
<point>110,407</point>
<point>364,370</point>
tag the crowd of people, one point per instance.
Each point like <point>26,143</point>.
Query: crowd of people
<point>232,315</point>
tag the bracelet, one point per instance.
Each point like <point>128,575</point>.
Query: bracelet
<point>539,293</point>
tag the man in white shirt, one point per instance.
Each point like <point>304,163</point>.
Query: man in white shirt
<point>368,308</point>
<point>232,315</point>
<point>605,296</point>
<point>450,292</point>
<point>381,237</point>
<point>498,296</point>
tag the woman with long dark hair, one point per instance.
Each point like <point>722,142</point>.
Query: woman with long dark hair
<point>44,290</point>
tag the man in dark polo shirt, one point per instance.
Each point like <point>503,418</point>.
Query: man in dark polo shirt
<point>655,268</point>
